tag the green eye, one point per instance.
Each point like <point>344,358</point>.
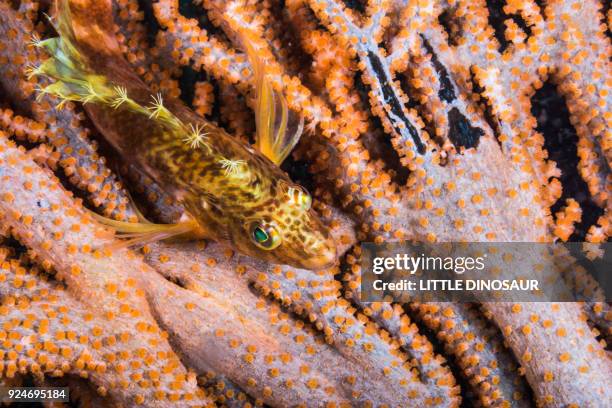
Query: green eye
<point>260,235</point>
<point>265,236</point>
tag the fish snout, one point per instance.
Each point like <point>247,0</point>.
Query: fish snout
<point>323,257</point>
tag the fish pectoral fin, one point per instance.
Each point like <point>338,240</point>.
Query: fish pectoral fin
<point>138,234</point>
<point>278,128</point>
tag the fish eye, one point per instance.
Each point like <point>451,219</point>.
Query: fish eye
<point>264,236</point>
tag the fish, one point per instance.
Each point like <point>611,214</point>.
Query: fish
<point>232,192</point>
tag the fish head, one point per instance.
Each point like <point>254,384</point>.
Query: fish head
<point>285,229</point>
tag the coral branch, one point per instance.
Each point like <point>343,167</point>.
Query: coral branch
<point>420,128</point>
<point>315,296</point>
<point>111,338</point>
<point>545,332</point>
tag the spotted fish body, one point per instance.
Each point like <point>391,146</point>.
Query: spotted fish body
<point>231,191</point>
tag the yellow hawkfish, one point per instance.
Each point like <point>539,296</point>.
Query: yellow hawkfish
<point>232,192</point>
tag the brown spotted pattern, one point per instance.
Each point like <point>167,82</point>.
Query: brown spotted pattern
<point>227,187</point>
<point>226,203</point>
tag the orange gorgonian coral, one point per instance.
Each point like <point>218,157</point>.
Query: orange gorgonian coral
<point>423,125</point>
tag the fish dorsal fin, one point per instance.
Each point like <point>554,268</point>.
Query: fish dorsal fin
<point>273,118</point>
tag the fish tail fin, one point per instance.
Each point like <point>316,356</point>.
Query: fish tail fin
<point>67,68</point>
<point>79,55</point>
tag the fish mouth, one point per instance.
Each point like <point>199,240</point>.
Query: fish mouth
<point>323,259</point>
